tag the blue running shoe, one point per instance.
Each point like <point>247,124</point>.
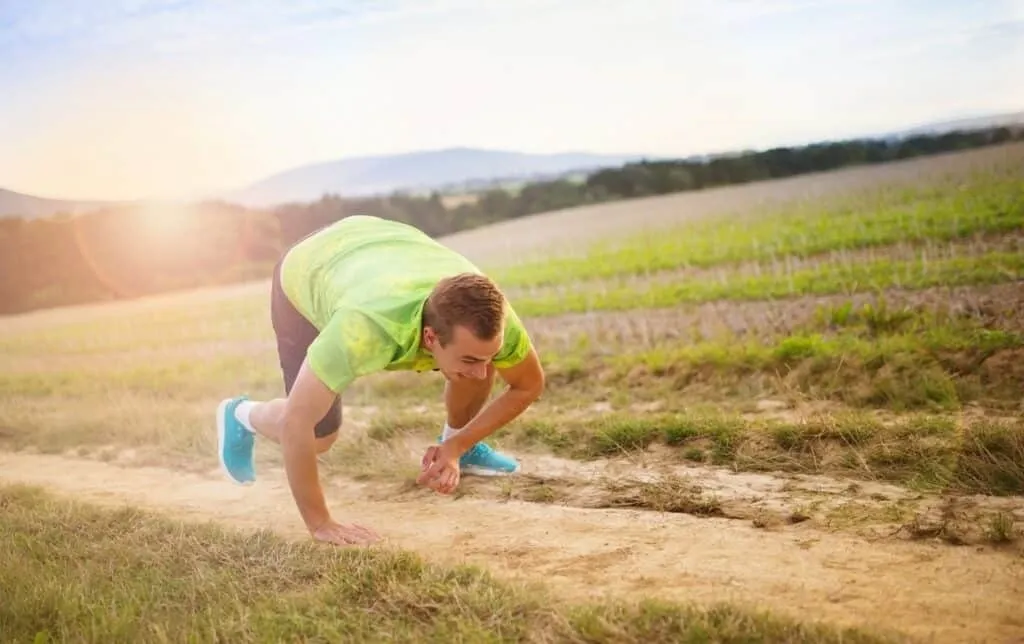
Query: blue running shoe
<point>234,443</point>
<point>484,460</point>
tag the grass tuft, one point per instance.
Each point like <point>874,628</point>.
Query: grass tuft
<point>668,494</point>
<point>1001,528</point>
<point>655,621</point>
<point>622,434</point>
<point>991,458</point>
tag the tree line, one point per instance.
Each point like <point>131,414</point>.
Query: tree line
<point>131,251</point>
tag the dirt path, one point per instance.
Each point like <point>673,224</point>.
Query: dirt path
<point>930,591</point>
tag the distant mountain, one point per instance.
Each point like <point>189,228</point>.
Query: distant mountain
<point>432,169</point>
<point>16,204</point>
<point>1010,119</point>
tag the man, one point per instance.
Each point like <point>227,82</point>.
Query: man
<point>366,295</point>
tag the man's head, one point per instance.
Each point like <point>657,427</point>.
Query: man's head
<point>463,325</point>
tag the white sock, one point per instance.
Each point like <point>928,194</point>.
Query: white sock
<point>242,414</point>
<point>448,431</point>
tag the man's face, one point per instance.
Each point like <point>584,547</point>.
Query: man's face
<point>466,356</point>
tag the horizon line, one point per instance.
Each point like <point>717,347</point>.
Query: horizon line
<point>904,130</point>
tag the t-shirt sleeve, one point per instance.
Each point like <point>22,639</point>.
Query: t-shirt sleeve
<point>517,342</point>
<point>350,346</point>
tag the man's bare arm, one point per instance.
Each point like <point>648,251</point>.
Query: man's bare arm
<point>526,383</point>
<point>308,402</point>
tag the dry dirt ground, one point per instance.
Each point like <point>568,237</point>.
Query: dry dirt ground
<point>924,590</point>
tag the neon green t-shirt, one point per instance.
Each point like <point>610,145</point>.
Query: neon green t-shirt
<point>362,282</point>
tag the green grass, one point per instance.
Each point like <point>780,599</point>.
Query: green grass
<point>75,572</point>
<point>851,277</point>
<point>172,321</point>
<point>185,378</point>
<point>984,204</point>
<point>901,359</point>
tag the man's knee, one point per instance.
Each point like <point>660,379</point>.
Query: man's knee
<point>326,430</point>
<point>324,443</point>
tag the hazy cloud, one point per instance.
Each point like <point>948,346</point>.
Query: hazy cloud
<point>104,23</point>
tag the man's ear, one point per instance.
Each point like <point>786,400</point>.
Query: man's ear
<point>429,337</point>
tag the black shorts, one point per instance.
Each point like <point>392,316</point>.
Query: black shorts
<point>294,335</point>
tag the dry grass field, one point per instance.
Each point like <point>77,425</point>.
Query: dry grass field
<point>775,412</point>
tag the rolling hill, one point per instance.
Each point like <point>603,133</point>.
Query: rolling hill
<point>360,176</point>
<point>1010,119</point>
<point>16,204</point>
<point>475,168</point>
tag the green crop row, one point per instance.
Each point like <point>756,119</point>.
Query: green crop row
<point>992,205</point>
<point>781,354</point>
<point>922,272</point>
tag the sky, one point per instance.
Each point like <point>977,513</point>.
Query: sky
<point>125,99</point>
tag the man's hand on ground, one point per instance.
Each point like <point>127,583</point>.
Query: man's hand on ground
<point>345,535</point>
<point>440,469</point>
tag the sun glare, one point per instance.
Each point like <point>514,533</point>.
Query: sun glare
<point>162,220</point>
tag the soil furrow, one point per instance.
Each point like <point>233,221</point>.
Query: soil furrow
<point>999,307</point>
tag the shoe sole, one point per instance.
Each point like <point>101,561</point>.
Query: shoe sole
<point>221,430</point>
<point>481,471</point>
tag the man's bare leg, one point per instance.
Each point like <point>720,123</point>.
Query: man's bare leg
<point>267,418</point>
<point>464,399</point>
